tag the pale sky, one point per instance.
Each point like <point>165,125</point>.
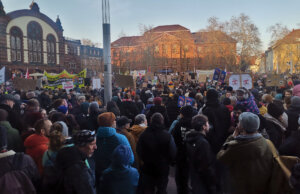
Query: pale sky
<point>83,18</point>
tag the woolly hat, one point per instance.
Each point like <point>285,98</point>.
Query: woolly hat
<point>7,97</point>
<point>3,139</point>
<point>121,156</point>
<point>123,120</point>
<point>106,119</point>
<point>295,101</point>
<point>274,110</point>
<point>62,109</point>
<point>157,100</point>
<point>296,90</point>
<point>82,138</point>
<point>212,94</point>
<point>187,111</point>
<point>249,122</point>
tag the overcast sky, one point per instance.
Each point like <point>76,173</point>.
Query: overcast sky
<point>82,18</point>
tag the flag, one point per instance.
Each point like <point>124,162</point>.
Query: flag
<point>2,75</point>
<point>27,74</point>
<point>217,74</point>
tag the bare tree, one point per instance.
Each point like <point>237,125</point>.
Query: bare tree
<point>278,31</point>
<point>88,42</point>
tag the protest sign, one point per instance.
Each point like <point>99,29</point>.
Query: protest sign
<point>246,81</point>
<point>275,80</point>
<point>124,81</point>
<point>24,84</point>
<point>181,101</point>
<point>55,81</point>
<point>216,76</point>
<point>240,80</point>
<point>96,83</point>
<point>202,78</point>
<point>185,101</point>
<point>235,81</point>
<point>67,85</point>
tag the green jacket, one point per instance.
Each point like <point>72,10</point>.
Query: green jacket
<point>14,141</point>
<point>250,164</point>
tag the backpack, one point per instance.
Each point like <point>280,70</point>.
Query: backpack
<point>14,180</point>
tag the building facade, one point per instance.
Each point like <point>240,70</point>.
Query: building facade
<point>31,40</point>
<point>173,48</point>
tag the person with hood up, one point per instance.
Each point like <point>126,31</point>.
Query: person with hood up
<point>107,139</point>
<point>296,90</point>
<point>120,177</point>
<point>179,133</point>
<point>78,177</point>
<point>293,113</point>
<point>157,150</point>
<point>201,158</point>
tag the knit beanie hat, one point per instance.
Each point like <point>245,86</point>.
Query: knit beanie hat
<point>187,111</point>
<point>106,119</point>
<point>212,94</point>
<point>249,122</point>
<point>62,109</point>
<point>82,138</point>
<point>274,110</point>
<point>157,100</point>
<point>295,101</point>
<point>121,156</point>
<point>3,139</point>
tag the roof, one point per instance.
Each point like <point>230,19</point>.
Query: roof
<point>292,37</point>
<point>167,28</point>
<point>212,37</point>
<point>127,41</point>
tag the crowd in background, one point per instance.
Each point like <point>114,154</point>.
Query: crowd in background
<point>225,141</point>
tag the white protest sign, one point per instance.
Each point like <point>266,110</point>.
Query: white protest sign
<point>246,81</point>
<point>67,85</point>
<point>96,83</point>
<point>235,81</point>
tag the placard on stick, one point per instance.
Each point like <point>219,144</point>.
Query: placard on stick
<point>24,84</point>
<point>124,81</point>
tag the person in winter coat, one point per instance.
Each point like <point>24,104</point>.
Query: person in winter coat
<point>172,108</point>
<point>219,119</point>
<point>179,133</point>
<point>128,107</point>
<point>246,99</point>
<point>36,144</point>
<point>274,124</point>
<point>140,124</point>
<point>295,178</point>
<point>139,103</point>
<point>157,150</point>
<point>78,176</point>
<point>107,140</point>
<point>120,177</point>
<point>248,157</point>
<point>158,107</point>
<point>14,141</point>
<point>296,90</point>
<point>18,172</point>
<point>293,113</point>
<point>112,107</point>
<point>201,158</point>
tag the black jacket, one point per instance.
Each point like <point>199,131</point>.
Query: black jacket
<point>173,110</point>
<point>157,150</point>
<point>275,133</point>
<point>202,163</point>
<point>14,118</point>
<point>129,109</point>
<point>293,115</point>
<point>78,177</point>
<point>291,146</point>
<point>159,109</point>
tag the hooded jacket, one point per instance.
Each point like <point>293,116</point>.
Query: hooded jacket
<point>14,141</point>
<point>36,145</point>
<point>107,140</point>
<point>136,131</point>
<point>120,177</point>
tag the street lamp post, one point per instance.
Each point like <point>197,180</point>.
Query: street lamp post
<point>106,51</point>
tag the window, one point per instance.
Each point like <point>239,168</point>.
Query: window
<point>164,49</point>
<point>174,49</point>
<point>16,44</point>
<point>35,42</point>
<point>51,51</point>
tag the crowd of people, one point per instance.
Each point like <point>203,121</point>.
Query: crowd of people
<point>223,142</point>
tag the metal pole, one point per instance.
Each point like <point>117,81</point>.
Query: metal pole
<point>106,51</point>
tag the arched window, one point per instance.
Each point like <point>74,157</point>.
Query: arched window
<point>16,44</point>
<point>51,51</point>
<point>35,42</point>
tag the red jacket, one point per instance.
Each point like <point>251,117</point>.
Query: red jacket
<point>36,145</point>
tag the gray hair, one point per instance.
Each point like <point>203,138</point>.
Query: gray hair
<point>139,119</point>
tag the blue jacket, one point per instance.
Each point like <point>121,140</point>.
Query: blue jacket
<point>107,140</point>
<point>120,177</point>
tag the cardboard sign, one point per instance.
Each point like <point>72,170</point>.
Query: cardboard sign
<point>247,81</point>
<point>124,81</point>
<point>202,78</point>
<point>24,84</point>
<point>144,85</point>
<point>96,83</point>
<point>240,80</point>
<point>275,80</point>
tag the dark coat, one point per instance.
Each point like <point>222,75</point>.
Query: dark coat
<point>219,119</point>
<point>293,115</point>
<point>14,118</point>
<point>291,146</point>
<point>129,109</point>
<point>157,150</point>
<point>173,110</point>
<point>159,109</point>
<point>78,177</point>
<point>275,133</point>
<point>202,164</point>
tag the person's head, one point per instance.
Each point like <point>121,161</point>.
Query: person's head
<point>8,100</point>
<point>44,113</point>
<point>248,122</point>
<point>30,95</point>
<point>200,123</point>
<point>3,115</point>
<point>140,119</point>
<point>288,93</point>
<point>157,101</point>
<point>61,127</point>
<point>62,109</point>
<point>107,119</point>
<point>238,110</point>
<point>42,127</point>
<point>121,156</point>
<point>226,101</point>
<point>275,111</point>
<point>157,119</point>
<point>242,94</point>
<point>33,105</point>
<point>94,108</point>
<point>233,100</point>
<point>212,95</point>
<point>57,116</point>
<point>123,122</point>
<point>80,99</point>
<point>228,94</point>
<point>85,141</point>
<point>267,98</point>
<point>295,101</point>
<point>56,140</point>
<point>187,111</point>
